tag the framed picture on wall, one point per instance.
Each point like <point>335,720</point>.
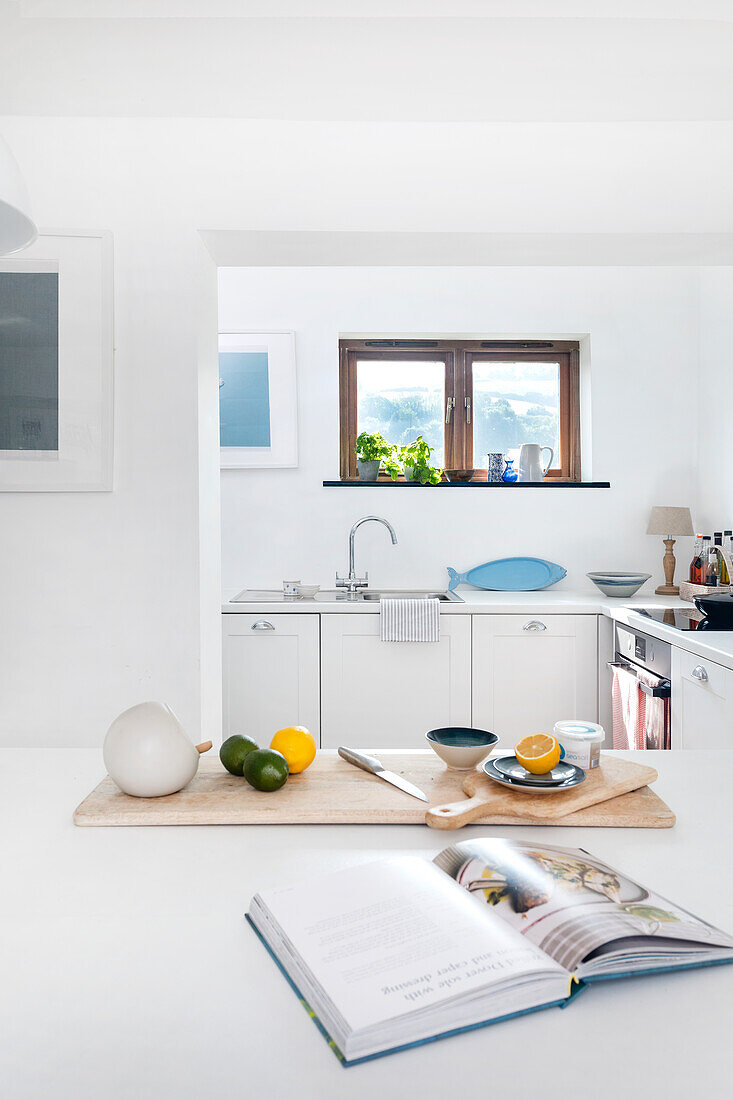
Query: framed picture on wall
<point>56,364</point>
<point>258,400</point>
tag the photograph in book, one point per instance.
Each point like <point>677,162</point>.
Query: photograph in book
<point>567,902</point>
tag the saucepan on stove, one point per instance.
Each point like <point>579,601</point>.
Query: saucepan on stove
<point>717,609</point>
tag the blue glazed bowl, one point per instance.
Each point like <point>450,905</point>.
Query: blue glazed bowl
<point>461,747</point>
<point>619,585</point>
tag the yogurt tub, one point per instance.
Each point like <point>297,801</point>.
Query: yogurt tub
<point>581,742</point>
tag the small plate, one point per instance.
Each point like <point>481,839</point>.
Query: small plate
<point>512,769</point>
<point>534,788</point>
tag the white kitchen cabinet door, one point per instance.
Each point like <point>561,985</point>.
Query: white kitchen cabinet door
<point>532,671</point>
<point>377,694</point>
<point>271,674</point>
<point>702,703</point>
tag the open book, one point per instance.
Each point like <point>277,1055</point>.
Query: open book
<point>390,954</point>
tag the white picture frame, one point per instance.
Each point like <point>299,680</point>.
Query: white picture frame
<point>282,453</point>
<point>83,460</point>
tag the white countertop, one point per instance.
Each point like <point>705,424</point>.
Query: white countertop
<point>129,972</point>
<point>471,601</point>
<point>714,645</point>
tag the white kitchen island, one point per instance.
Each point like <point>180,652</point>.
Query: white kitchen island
<point>128,972</point>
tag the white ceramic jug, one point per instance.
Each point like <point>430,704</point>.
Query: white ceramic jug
<point>147,751</point>
<point>530,462</point>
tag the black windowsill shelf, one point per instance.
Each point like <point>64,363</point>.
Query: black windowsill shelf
<point>469,485</point>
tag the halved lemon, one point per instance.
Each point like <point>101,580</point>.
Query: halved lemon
<point>538,753</point>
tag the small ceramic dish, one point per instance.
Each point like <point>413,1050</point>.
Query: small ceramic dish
<point>619,585</point>
<point>459,475</point>
<point>533,788</point>
<point>510,767</point>
<point>461,747</point>
<point>307,591</point>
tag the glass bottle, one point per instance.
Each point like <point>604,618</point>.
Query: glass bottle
<point>704,554</point>
<point>696,563</point>
<point>722,567</point>
<point>711,565</point>
<point>728,547</point>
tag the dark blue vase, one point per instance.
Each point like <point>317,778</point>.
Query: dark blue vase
<point>510,474</point>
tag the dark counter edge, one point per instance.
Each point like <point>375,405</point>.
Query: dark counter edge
<point>469,485</point>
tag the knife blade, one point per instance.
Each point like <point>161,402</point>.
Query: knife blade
<point>374,767</point>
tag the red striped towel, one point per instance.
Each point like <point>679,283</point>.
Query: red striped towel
<point>653,732</point>
<point>627,709</point>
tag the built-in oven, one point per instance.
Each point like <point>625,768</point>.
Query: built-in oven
<point>641,699</point>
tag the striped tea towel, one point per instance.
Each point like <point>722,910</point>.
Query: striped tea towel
<point>627,706</point>
<point>409,620</point>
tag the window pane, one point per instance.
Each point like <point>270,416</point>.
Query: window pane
<point>244,399</point>
<point>515,403</point>
<point>402,399</point>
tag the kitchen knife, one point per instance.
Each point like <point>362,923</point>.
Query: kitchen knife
<point>372,765</point>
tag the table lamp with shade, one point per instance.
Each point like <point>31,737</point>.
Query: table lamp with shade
<point>669,522</point>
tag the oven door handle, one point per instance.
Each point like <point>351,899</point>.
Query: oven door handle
<point>625,665</point>
<point>661,691</point>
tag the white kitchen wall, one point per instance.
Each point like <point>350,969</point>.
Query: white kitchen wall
<point>101,592</point>
<point>643,326</point>
<point>715,456</point>
<point>104,596</point>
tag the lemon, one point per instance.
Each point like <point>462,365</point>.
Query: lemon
<point>538,753</point>
<point>298,746</point>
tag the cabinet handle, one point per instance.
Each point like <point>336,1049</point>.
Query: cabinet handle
<point>262,624</point>
<point>534,624</point>
<point>700,674</point>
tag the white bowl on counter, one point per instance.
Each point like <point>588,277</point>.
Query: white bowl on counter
<point>462,748</point>
<point>619,585</point>
<point>307,591</point>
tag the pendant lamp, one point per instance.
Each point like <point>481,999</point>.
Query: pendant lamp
<point>17,228</point>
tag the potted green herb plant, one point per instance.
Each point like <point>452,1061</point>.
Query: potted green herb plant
<point>415,463</point>
<point>371,448</point>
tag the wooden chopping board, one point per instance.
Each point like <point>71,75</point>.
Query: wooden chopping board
<point>332,792</point>
<point>611,778</point>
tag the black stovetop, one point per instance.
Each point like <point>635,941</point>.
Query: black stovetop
<point>679,617</point>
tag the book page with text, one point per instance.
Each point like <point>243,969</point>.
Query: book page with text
<point>384,939</point>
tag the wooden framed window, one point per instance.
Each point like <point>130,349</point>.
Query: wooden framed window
<point>466,399</point>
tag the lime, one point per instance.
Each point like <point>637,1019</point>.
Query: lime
<point>266,769</point>
<point>234,751</point>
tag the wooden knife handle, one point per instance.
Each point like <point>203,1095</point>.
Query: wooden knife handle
<point>452,815</point>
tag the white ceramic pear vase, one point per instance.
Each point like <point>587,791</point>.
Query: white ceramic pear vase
<point>530,462</point>
<point>148,753</point>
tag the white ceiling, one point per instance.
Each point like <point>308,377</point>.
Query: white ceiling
<point>391,69</point>
<point>519,116</point>
<point>230,248</point>
<point>517,9</point>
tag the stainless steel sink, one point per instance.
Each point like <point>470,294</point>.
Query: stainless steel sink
<point>409,594</point>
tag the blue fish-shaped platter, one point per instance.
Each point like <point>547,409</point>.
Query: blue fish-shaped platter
<point>510,575</point>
